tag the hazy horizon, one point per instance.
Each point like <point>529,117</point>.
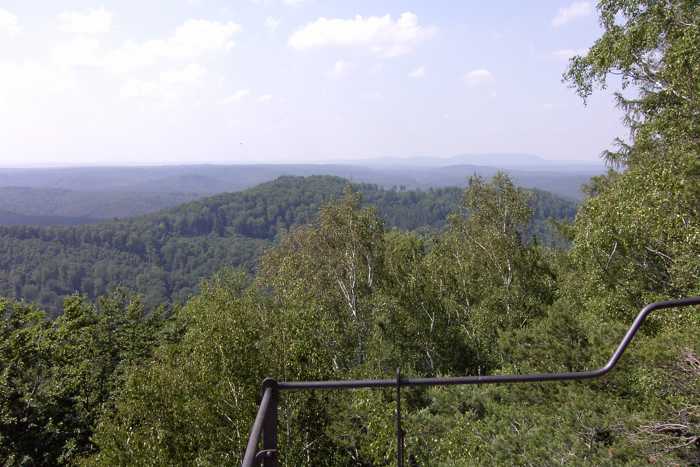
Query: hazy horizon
<point>349,162</point>
<point>112,83</point>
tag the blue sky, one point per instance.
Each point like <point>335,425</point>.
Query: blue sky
<point>185,81</point>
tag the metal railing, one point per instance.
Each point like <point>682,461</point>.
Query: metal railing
<point>266,420</point>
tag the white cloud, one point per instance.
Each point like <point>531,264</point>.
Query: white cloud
<point>191,40</point>
<point>271,23</point>
<point>89,22</point>
<point>135,88</point>
<point>294,2</point>
<point>418,73</point>
<point>565,54</point>
<point>236,97</point>
<point>244,93</point>
<point>164,61</point>
<point>9,24</point>
<point>382,35</point>
<point>190,74</point>
<point>569,13</point>
<point>478,77</point>
<point>28,80</point>
<point>340,69</point>
<point>169,85</point>
<point>79,52</point>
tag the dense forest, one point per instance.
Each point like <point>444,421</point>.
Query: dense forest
<point>165,255</point>
<point>359,281</point>
<point>12,218</point>
<point>52,206</point>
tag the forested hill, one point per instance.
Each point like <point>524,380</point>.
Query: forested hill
<point>12,218</point>
<point>53,206</point>
<point>165,255</point>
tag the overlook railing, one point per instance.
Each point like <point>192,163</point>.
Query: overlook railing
<point>266,419</point>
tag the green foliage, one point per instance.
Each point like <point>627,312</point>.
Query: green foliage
<point>336,299</point>
<point>193,403</point>
<point>57,378</point>
<point>487,274</point>
<point>653,46</point>
<point>619,420</point>
<point>50,206</point>
<point>637,238</point>
<point>183,401</point>
<point>337,265</point>
<point>165,256</point>
<point>341,293</point>
<point>345,298</point>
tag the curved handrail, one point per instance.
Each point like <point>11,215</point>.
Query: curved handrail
<point>576,375</point>
<point>270,385</point>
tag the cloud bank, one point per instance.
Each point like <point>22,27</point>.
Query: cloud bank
<point>382,35</point>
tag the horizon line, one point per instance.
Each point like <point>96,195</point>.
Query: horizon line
<point>336,162</point>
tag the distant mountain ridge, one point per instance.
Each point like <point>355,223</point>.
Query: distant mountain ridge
<point>521,161</point>
<point>84,195</point>
<point>191,181</point>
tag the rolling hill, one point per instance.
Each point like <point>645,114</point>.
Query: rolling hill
<point>165,255</point>
<point>59,206</point>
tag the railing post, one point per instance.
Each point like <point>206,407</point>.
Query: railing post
<point>269,452</point>
<point>399,428</point>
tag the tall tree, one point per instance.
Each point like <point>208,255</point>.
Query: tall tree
<point>652,46</point>
<point>335,266</point>
<point>638,239</point>
<point>488,276</point>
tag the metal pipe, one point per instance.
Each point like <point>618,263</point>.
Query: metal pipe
<point>399,428</point>
<point>252,449</point>
<point>496,379</point>
<point>271,387</point>
<point>269,433</point>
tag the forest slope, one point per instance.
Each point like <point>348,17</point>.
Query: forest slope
<point>58,206</point>
<point>165,255</point>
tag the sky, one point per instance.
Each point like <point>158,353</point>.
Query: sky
<point>236,81</point>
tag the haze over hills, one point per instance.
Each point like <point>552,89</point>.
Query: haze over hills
<point>12,218</point>
<point>80,207</point>
<point>88,194</point>
<point>504,161</point>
